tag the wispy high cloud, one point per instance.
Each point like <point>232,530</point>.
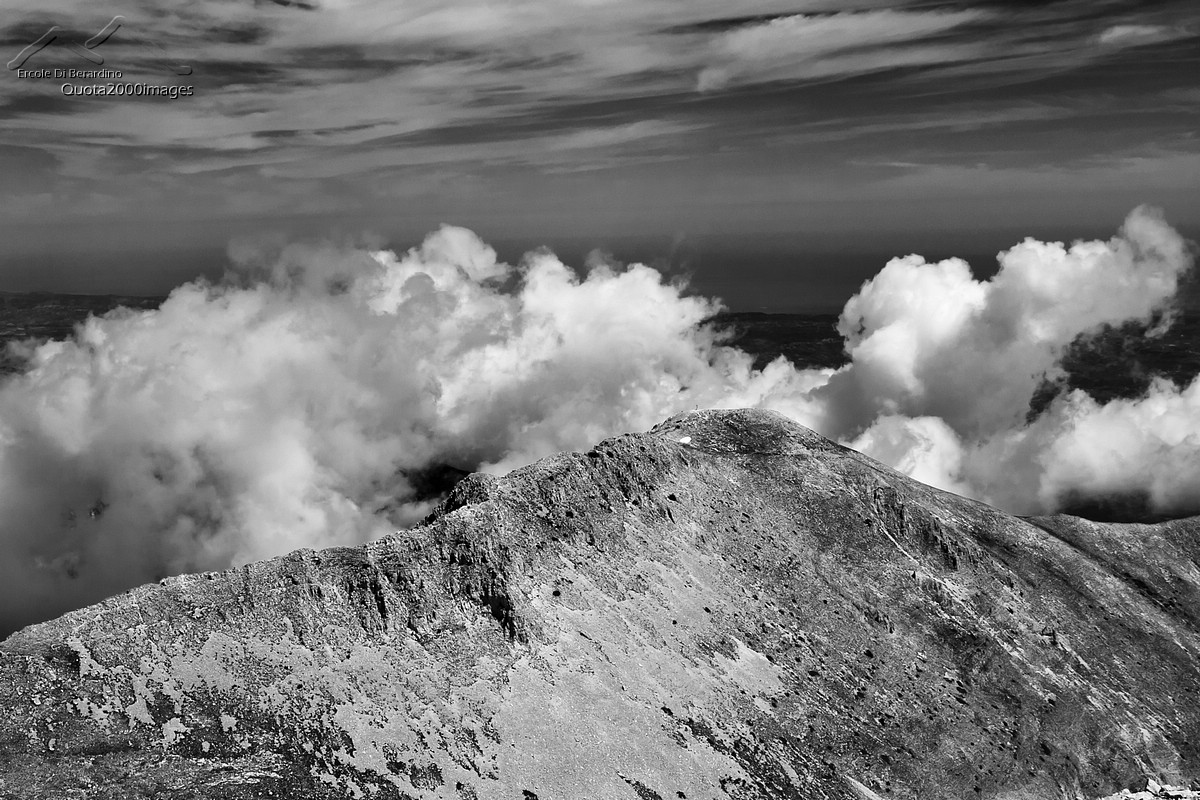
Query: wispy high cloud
<point>818,46</point>
<point>1131,35</point>
<point>331,89</point>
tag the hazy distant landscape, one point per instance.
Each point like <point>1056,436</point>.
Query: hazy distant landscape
<point>31,318</point>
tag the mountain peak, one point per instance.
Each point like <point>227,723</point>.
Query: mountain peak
<point>726,606</point>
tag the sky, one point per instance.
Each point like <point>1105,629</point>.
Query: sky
<point>777,152</point>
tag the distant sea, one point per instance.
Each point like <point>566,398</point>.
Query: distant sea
<point>1115,363</point>
<point>44,316</point>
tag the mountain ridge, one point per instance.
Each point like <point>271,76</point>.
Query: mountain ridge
<point>726,606</point>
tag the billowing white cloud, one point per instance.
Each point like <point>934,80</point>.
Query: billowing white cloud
<point>1147,447</point>
<point>929,339</point>
<point>925,448</point>
<point>943,369</point>
<point>292,405</point>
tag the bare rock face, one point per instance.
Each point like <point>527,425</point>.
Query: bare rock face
<point>727,606</point>
<point>1151,790</point>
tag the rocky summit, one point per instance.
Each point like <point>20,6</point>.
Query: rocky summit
<point>728,606</point>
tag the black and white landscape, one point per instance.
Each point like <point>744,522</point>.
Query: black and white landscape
<point>599,400</point>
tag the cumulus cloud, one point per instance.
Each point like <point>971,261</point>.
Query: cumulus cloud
<point>298,402</point>
<point>930,340</point>
<point>925,448</point>
<point>943,369</point>
<point>305,399</point>
<point>1147,447</point>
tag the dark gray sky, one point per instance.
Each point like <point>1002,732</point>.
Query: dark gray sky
<point>781,151</point>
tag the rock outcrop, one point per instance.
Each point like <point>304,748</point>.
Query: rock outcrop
<point>1152,790</point>
<point>726,606</point>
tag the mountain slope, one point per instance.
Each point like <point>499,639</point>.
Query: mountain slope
<point>727,606</point>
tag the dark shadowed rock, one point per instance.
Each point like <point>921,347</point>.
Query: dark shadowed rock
<point>727,606</point>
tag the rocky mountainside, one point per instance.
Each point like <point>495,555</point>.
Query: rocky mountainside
<point>1153,791</point>
<point>726,606</point>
